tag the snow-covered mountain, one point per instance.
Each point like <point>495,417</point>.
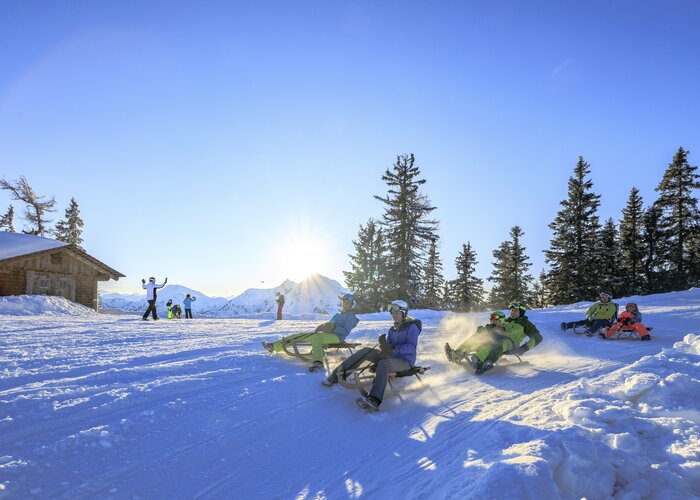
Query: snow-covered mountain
<point>316,294</point>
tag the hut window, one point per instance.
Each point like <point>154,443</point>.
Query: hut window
<point>40,285</point>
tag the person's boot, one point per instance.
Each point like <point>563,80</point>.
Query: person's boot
<point>268,345</point>
<point>370,403</point>
<point>484,367</point>
<point>330,381</point>
<point>448,352</point>
<point>564,326</point>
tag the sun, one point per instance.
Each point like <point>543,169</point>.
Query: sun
<point>302,256</point>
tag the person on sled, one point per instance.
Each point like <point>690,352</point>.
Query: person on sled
<point>601,314</point>
<point>484,335</point>
<point>503,338</point>
<point>396,353</point>
<point>630,318</point>
<point>331,332</point>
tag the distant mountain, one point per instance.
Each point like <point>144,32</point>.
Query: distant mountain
<point>316,294</point>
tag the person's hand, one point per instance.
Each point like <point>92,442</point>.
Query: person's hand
<point>519,351</point>
<point>385,348</point>
<point>143,281</point>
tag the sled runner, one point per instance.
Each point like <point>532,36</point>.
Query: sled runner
<point>626,333</point>
<point>582,329</point>
<point>361,377</point>
<point>292,348</point>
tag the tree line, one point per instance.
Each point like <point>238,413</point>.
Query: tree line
<point>654,248</point>
<point>36,212</point>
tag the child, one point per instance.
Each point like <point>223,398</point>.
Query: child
<point>169,303</point>
<point>630,319</point>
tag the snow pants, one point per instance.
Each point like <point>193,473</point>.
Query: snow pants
<point>591,325</point>
<point>637,327</point>
<point>317,340</point>
<point>384,368</point>
<point>279,312</point>
<point>485,345</point>
<point>188,313</point>
<point>151,309</point>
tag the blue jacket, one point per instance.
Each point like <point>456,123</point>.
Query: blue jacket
<point>188,302</point>
<point>344,323</point>
<point>404,339</point>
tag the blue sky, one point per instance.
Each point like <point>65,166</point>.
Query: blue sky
<point>229,145</point>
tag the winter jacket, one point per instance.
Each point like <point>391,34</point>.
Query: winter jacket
<point>519,328</point>
<point>188,302</point>
<point>151,290</point>
<point>404,339</point>
<point>500,328</point>
<point>630,317</point>
<point>344,323</point>
<point>606,311</point>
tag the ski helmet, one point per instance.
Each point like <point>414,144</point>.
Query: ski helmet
<point>605,295</point>
<point>499,315</point>
<point>151,279</point>
<point>349,297</point>
<point>398,305</point>
<point>517,305</point>
<point>633,304</point>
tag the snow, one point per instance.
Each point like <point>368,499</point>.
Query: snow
<point>17,244</point>
<point>110,406</point>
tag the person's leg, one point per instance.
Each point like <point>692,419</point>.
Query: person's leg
<point>317,341</point>
<point>473,343</point>
<point>386,367</point>
<point>613,330</point>
<point>366,353</point>
<point>640,329</point>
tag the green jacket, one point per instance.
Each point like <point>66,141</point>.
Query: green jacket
<point>607,311</point>
<point>518,329</point>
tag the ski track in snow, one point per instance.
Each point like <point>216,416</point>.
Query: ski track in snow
<point>114,407</point>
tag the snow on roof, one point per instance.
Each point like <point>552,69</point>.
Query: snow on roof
<point>17,244</point>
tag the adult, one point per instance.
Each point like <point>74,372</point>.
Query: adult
<point>600,315</point>
<point>151,296</point>
<point>187,302</point>
<point>484,336</point>
<point>280,304</point>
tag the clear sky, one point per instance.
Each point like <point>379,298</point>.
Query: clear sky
<point>229,145</point>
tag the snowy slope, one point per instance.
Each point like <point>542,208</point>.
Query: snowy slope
<point>95,406</point>
<point>136,302</point>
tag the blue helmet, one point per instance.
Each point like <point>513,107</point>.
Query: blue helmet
<point>349,297</point>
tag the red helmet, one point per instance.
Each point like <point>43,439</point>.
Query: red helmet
<point>633,304</point>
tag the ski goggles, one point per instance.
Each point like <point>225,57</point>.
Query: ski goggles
<point>496,316</point>
<point>394,307</point>
<point>516,305</point>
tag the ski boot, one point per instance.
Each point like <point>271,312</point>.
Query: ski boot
<point>484,367</point>
<point>563,326</point>
<point>370,403</point>
<point>448,352</point>
<point>646,337</point>
<point>268,345</point>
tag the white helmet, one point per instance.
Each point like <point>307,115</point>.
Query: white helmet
<point>151,279</point>
<point>398,305</point>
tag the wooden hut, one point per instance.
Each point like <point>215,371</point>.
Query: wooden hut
<point>31,265</point>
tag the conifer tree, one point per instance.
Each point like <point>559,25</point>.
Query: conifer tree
<point>572,258</point>
<point>609,259</point>
<point>367,268</point>
<point>510,278</point>
<point>407,229</point>
<point>7,220</point>
<point>632,246</point>
<point>679,218</point>
<point>653,260</point>
<point>434,280</point>
<point>37,206</point>
<point>538,297</point>
<point>70,229</point>
<point>466,291</point>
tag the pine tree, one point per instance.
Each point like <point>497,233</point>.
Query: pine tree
<point>434,280</point>
<point>7,220</point>
<point>466,291</point>
<point>70,229</point>
<point>632,247</point>
<point>609,258</point>
<point>679,218</point>
<point>510,278</point>
<point>408,230</point>
<point>573,274</point>
<point>539,297</point>
<point>367,268</point>
<point>653,260</point>
<point>36,209</point>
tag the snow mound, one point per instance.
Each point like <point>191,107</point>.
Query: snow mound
<point>32,305</point>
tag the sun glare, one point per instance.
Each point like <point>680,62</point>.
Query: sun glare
<point>303,256</point>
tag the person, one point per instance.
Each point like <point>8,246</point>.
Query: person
<point>331,332</point>
<point>631,317</point>
<point>506,337</point>
<point>396,353</point>
<point>187,302</point>
<point>169,305</point>
<point>151,296</point>
<point>280,304</point>
<point>601,314</point>
<point>484,336</point>
<point>177,311</point>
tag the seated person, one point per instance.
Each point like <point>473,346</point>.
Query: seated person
<point>484,335</point>
<point>601,314</point>
<point>396,353</point>
<point>514,330</point>
<point>330,332</point>
<point>629,319</point>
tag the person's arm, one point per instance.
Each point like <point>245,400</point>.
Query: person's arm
<point>534,335</point>
<point>344,323</point>
<point>592,310</point>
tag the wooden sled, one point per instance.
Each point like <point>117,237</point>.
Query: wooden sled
<point>292,348</point>
<point>362,376</point>
<point>625,334</point>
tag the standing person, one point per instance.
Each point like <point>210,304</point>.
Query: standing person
<point>188,305</point>
<point>601,314</point>
<point>169,305</point>
<point>151,296</point>
<point>331,332</point>
<point>396,353</point>
<point>280,304</point>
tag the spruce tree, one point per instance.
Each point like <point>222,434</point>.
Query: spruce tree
<point>434,280</point>
<point>37,206</point>
<point>609,259</point>
<point>510,278</point>
<point>7,220</point>
<point>408,230</point>
<point>466,291</point>
<point>70,229</point>
<point>653,260</point>
<point>366,275</point>
<point>632,246</point>
<point>679,218</point>
<point>572,258</point>
<point>539,297</point>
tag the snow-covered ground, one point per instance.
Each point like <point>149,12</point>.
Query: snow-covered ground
<point>101,406</point>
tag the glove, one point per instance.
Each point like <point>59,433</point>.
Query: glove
<point>385,348</point>
<point>520,350</point>
<point>327,327</point>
